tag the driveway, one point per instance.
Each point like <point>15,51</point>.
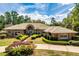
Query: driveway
<point>52,47</point>
<point>2,48</point>
<point>58,47</point>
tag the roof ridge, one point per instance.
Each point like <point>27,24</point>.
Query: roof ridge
<point>54,29</point>
<point>59,29</point>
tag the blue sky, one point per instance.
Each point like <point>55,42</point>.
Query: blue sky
<point>43,11</point>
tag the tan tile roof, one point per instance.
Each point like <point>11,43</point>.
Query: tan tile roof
<point>58,29</point>
<point>24,26</point>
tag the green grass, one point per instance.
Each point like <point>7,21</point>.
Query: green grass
<point>7,41</point>
<point>38,41</point>
<point>3,54</point>
<point>40,52</point>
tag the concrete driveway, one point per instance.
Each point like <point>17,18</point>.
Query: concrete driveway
<point>58,47</point>
<point>51,47</point>
<point>2,48</point>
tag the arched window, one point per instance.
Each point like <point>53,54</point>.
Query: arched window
<point>30,27</point>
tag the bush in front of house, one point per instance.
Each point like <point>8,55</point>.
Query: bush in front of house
<point>22,37</point>
<point>2,36</point>
<point>34,36</point>
<point>76,38</point>
<point>55,42</point>
<point>73,42</point>
<point>50,37</point>
<point>22,50</point>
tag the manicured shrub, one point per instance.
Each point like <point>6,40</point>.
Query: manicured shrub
<point>34,36</point>
<point>76,43</point>
<point>76,38</point>
<point>55,42</point>
<point>49,37</point>
<point>2,36</point>
<point>22,37</point>
<point>22,50</point>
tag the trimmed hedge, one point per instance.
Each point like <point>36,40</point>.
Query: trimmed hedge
<point>76,38</point>
<point>34,36</point>
<point>73,42</point>
<point>22,37</point>
<point>55,42</point>
<point>2,36</point>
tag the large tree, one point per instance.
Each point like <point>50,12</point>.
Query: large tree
<point>8,17</point>
<point>20,19</point>
<point>72,21</point>
<point>27,19</point>
<point>14,16</point>
<point>2,22</point>
<point>53,22</point>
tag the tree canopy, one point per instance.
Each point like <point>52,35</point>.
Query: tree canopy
<point>72,20</point>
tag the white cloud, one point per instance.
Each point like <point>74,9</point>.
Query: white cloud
<point>60,17</point>
<point>41,6</point>
<point>71,8</point>
<point>59,6</point>
<point>65,3</point>
<point>21,9</point>
<point>36,15</point>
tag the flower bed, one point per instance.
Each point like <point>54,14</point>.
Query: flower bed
<point>20,48</point>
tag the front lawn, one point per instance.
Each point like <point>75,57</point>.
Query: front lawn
<point>3,54</point>
<point>7,41</point>
<point>40,52</point>
<point>38,41</point>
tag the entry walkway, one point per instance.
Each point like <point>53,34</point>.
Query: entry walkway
<point>51,47</point>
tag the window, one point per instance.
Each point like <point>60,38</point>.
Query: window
<point>30,27</point>
<point>16,33</point>
<point>63,36</point>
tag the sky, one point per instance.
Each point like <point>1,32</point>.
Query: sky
<point>43,11</point>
